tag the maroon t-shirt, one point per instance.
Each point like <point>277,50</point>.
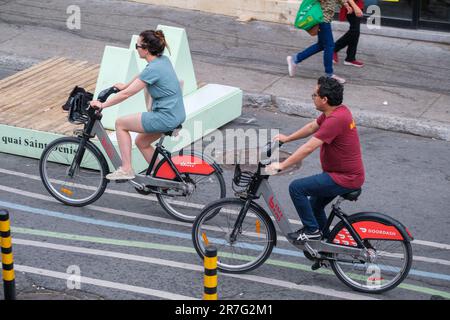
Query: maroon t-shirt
<point>340,154</point>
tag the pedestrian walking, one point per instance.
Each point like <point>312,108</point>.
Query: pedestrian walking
<point>351,38</point>
<point>325,41</point>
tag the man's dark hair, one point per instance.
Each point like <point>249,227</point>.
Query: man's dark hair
<point>332,89</point>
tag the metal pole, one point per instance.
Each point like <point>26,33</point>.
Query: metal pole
<point>9,283</point>
<point>210,279</point>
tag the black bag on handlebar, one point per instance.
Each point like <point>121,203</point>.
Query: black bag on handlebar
<point>80,93</point>
<point>77,103</point>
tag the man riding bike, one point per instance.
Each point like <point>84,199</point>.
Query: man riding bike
<point>334,131</point>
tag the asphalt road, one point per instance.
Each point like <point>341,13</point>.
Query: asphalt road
<point>38,30</point>
<point>133,252</point>
<point>128,240</point>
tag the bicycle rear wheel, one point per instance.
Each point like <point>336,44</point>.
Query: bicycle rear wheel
<point>88,181</point>
<point>254,241</point>
<point>388,263</point>
<point>204,189</point>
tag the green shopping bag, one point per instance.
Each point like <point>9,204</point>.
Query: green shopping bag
<point>309,14</point>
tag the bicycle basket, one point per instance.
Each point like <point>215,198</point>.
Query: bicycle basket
<point>78,102</point>
<point>241,179</point>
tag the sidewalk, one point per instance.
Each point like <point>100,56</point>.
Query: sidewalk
<point>403,87</point>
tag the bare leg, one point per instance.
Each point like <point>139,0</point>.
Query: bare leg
<point>123,126</point>
<point>144,141</point>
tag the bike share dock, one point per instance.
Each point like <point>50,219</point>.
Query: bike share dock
<point>30,105</point>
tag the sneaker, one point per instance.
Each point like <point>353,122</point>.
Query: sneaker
<point>354,63</point>
<point>120,174</point>
<point>291,66</point>
<point>335,58</point>
<point>339,79</point>
<point>303,235</point>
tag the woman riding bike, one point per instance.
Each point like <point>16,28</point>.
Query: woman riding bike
<point>164,100</point>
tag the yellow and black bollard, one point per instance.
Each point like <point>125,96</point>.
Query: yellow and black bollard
<point>9,283</point>
<point>210,282</point>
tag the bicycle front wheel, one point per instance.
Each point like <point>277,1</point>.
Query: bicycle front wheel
<point>87,183</point>
<point>204,189</point>
<point>387,265</point>
<point>254,240</point>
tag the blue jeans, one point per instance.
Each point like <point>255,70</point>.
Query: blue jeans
<point>326,43</point>
<point>322,190</point>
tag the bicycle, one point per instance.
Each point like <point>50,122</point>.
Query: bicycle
<point>73,169</point>
<point>370,252</point>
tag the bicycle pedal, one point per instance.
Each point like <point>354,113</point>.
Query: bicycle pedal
<point>121,181</point>
<point>318,264</point>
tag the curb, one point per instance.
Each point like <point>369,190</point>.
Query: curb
<point>420,127</point>
<point>400,33</point>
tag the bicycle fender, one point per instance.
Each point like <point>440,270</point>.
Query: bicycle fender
<point>375,225</point>
<point>186,164</point>
<point>205,157</point>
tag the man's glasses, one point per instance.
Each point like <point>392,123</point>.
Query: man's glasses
<point>138,46</point>
<point>314,95</point>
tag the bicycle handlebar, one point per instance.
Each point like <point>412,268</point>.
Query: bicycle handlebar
<point>103,96</point>
<point>272,146</point>
<point>268,151</point>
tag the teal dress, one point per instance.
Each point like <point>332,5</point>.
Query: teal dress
<point>164,88</point>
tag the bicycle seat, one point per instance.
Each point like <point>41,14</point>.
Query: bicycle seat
<point>169,133</point>
<point>352,196</point>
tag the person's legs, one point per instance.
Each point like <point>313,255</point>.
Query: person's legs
<point>318,205</point>
<point>308,52</point>
<point>299,196</point>
<point>143,142</point>
<point>353,37</point>
<point>315,48</point>
<point>327,43</point>
<point>123,126</point>
<point>320,185</point>
<point>343,41</point>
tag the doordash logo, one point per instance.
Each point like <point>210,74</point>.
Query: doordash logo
<point>383,232</point>
<point>275,209</point>
<point>187,164</point>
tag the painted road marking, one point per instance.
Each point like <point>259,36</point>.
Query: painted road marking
<point>189,225</point>
<point>169,233</point>
<point>192,267</point>
<point>191,205</point>
<point>103,283</point>
<point>127,194</point>
<point>190,250</point>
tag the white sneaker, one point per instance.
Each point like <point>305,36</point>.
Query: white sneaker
<point>291,66</point>
<point>339,79</point>
<point>120,174</point>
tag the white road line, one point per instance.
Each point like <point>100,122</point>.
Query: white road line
<point>124,193</point>
<point>192,267</point>
<point>432,244</point>
<point>103,283</point>
<point>174,222</point>
<point>97,208</point>
<point>152,198</point>
<point>110,191</point>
